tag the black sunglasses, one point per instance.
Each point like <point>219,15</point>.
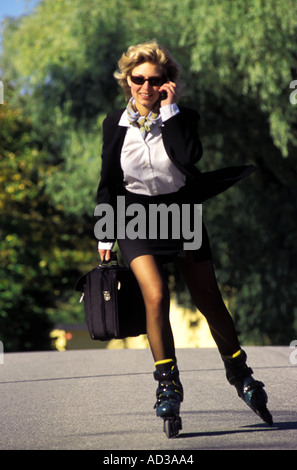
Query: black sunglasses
<point>153,81</point>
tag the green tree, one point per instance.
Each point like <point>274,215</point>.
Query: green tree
<point>41,248</point>
<point>242,61</point>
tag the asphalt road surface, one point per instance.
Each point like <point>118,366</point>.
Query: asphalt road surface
<point>103,400</point>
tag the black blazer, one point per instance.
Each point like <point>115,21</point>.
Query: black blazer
<point>183,146</point>
<point>180,139</point>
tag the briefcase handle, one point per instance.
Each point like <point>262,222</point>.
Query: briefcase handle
<point>113,261</point>
<point>104,264</point>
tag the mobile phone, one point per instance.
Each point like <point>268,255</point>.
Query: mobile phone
<point>163,95</point>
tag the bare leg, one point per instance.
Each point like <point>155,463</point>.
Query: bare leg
<point>154,288</point>
<point>202,283</point>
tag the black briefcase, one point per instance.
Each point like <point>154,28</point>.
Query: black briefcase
<point>113,302</point>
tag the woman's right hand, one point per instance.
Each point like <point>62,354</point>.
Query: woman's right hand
<point>170,88</point>
<point>104,254</point>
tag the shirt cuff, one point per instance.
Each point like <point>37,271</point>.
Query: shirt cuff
<point>105,245</point>
<point>168,111</point>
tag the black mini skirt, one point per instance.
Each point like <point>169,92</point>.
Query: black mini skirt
<point>164,226</point>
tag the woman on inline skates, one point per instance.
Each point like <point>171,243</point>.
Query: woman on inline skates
<point>149,153</point>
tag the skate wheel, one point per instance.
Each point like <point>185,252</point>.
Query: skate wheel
<point>264,414</point>
<point>172,427</point>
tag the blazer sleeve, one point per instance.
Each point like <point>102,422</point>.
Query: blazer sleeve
<point>111,179</point>
<point>181,139</point>
<point>103,191</point>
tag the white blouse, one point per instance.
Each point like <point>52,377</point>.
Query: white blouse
<point>145,163</point>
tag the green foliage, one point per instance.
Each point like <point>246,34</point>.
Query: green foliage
<point>248,47</point>
<point>41,250</point>
<point>238,60</point>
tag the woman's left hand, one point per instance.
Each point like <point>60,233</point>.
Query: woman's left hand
<point>170,88</point>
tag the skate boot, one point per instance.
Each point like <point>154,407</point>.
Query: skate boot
<point>251,391</point>
<point>169,396</point>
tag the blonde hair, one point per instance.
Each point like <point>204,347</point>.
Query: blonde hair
<point>146,52</point>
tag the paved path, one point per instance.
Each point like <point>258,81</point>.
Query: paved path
<point>103,400</point>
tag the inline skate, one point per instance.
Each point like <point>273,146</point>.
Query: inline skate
<point>251,391</point>
<point>169,396</point>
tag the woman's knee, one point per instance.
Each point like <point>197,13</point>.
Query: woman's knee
<point>151,280</point>
<point>156,299</point>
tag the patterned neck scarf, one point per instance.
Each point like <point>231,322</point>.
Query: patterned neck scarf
<point>144,123</point>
